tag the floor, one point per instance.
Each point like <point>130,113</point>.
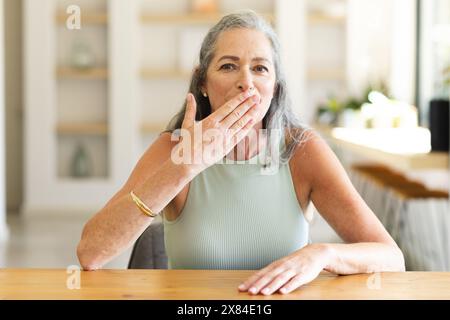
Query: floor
<point>50,242</point>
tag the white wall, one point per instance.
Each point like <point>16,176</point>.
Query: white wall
<point>403,51</point>
<point>369,27</point>
<point>290,27</point>
<point>381,46</point>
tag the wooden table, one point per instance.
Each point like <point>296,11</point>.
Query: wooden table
<point>212,284</point>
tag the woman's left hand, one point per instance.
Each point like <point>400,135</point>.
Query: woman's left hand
<point>289,273</point>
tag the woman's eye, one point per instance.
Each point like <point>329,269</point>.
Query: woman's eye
<point>227,66</point>
<point>261,69</point>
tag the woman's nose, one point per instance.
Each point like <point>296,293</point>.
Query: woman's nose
<point>245,81</point>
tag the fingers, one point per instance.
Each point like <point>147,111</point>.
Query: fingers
<point>246,284</point>
<point>269,281</point>
<point>236,135</point>
<point>238,113</point>
<point>293,284</point>
<point>228,107</point>
<point>279,281</point>
<point>260,283</point>
<point>243,120</point>
<point>191,108</point>
<point>281,278</point>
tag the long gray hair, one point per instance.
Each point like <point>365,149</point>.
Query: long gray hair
<point>279,116</point>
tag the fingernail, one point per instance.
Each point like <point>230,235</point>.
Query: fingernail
<point>241,287</point>
<point>283,290</point>
<point>266,291</point>
<point>252,290</point>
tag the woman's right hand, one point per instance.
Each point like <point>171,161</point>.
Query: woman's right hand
<point>205,142</point>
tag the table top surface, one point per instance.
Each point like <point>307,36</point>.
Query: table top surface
<point>373,144</point>
<point>211,284</point>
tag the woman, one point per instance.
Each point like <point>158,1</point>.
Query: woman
<point>237,216</point>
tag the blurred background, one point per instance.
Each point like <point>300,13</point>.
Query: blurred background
<point>88,84</point>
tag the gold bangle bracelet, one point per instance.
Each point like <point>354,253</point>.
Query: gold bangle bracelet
<point>141,205</point>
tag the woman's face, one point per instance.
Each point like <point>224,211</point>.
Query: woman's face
<point>242,59</point>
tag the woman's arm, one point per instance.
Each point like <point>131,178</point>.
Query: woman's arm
<point>363,257</point>
<point>304,265</point>
<point>156,180</point>
<point>368,248</point>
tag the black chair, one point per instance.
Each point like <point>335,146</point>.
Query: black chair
<point>149,250</point>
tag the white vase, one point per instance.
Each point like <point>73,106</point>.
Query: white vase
<point>81,164</point>
<point>82,56</point>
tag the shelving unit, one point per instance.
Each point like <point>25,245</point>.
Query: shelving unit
<point>81,93</point>
<point>67,107</point>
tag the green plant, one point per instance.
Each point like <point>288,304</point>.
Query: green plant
<point>446,73</point>
<point>334,106</point>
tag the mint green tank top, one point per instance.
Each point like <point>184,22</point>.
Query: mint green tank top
<point>236,217</point>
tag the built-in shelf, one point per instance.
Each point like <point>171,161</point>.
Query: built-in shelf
<point>198,18</point>
<point>148,128</point>
<point>326,74</point>
<point>84,74</point>
<point>90,18</point>
<point>190,18</point>
<point>102,129</point>
<point>158,74</point>
<point>82,129</point>
<point>323,19</point>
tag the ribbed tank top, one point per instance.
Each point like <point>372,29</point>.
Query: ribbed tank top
<point>236,217</point>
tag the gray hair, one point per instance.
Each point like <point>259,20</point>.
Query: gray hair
<point>279,116</point>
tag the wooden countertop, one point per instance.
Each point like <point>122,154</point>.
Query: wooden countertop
<point>405,149</point>
<point>212,284</point>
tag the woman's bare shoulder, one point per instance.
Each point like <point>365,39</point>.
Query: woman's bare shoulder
<point>316,160</point>
<point>311,151</point>
<point>305,139</point>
